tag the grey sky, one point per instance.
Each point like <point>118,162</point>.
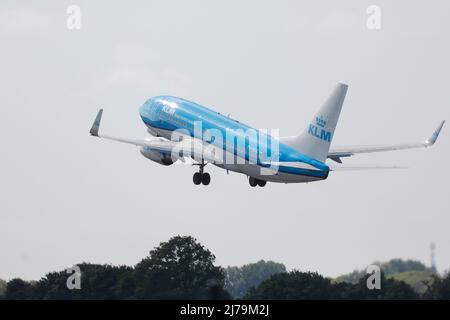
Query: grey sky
<point>68,198</point>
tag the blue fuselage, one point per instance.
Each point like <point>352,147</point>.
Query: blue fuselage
<point>168,114</point>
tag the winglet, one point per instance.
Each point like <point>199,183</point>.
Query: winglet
<point>431,140</point>
<point>96,124</point>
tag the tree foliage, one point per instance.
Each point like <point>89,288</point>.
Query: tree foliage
<point>439,288</point>
<point>412,272</point>
<point>182,268</point>
<point>177,269</point>
<point>391,289</point>
<point>418,280</point>
<point>400,265</point>
<point>2,288</point>
<point>239,279</point>
<point>296,285</point>
<point>308,285</point>
<point>17,289</point>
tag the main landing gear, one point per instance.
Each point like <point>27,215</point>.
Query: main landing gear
<point>201,177</point>
<point>256,182</point>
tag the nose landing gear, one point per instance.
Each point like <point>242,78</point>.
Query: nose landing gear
<point>201,177</point>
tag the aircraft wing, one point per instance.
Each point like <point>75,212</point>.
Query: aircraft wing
<point>188,147</point>
<point>337,153</point>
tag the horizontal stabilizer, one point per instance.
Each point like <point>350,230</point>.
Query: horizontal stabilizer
<point>359,168</point>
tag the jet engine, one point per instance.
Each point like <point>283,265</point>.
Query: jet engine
<point>157,156</point>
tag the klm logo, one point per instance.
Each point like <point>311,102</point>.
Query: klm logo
<point>318,130</point>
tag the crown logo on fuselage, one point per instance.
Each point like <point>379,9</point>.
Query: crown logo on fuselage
<point>318,129</point>
<point>321,122</point>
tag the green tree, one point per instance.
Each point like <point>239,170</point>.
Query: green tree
<point>391,289</point>
<point>179,269</point>
<point>412,272</point>
<point>418,280</point>
<point>352,277</point>
<point>97,282</point>
<point>400,265</point>
<point>300,285</point>
<point>439,289</point>
<point>2,288</point>
<point>239,279</point>
<point>18,289</point>
<point>296,285</point>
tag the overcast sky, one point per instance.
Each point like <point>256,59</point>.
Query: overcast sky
<point>67,197</point>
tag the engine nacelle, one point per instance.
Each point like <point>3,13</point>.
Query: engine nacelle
<point>156,156</point>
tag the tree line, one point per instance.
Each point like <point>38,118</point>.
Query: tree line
<point>182,268</point>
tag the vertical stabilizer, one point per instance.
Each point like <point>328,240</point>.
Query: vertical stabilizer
<point>316,139</point>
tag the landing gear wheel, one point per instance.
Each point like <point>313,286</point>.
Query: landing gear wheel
<point>252,182</point>
<point>201,177</point>
<point>206,178</point>
<point>261,183</point>
<point>197,178</point>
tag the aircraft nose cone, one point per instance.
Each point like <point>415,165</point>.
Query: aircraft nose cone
<point>143,109</point>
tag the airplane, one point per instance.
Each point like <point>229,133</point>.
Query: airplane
<point>181,130</point>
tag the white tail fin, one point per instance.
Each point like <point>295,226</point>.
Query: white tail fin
<point>316,139</point>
